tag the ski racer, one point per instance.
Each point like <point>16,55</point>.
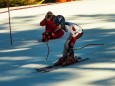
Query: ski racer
<point>75,33</point>
<point>51,32</point>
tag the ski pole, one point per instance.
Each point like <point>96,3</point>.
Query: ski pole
<point>8,4</point>
<point>87,46</point>
<point>48,51</point>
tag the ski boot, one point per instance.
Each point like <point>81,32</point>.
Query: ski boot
<point>60,61</point>
<point>70,60</point>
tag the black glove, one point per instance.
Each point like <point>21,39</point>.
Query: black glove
<point>48,34</point>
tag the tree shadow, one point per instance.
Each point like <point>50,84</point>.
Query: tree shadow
<point>108,81</point>
<point>98,54</point>
<point>25,51</point>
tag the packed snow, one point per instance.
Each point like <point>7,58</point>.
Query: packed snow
<point>19,60</point>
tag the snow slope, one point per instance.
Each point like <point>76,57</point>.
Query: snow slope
<point>17,62</point>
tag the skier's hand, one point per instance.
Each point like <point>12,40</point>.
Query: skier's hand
<point>48,17</point>
<point>47,36</point>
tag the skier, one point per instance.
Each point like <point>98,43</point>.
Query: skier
<point>51,32</point>
<point>75,33</point>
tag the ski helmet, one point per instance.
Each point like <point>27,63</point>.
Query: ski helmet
<point>59,19</point>
<point>49,13</point>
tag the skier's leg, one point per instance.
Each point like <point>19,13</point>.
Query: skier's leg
<point>62,59</point>
<point>68,52</point>
<point>70,44</point>
<point>68,48</point>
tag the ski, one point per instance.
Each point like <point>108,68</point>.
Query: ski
<point>51,68</point>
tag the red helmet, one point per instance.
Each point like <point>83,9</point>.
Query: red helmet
<point>49,13</point>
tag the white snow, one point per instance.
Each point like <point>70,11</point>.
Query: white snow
<point>17,62</point>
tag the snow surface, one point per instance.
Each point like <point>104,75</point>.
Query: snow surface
<point>17,62</point>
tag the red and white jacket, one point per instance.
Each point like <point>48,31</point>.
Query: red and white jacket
<point>73,28</point>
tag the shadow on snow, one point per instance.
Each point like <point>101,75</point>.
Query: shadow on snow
<point>36,52</point>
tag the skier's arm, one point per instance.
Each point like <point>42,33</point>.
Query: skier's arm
<point>43,22</point>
